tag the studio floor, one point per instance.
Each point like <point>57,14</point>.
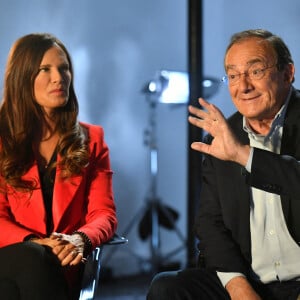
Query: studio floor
<point>132,287</point>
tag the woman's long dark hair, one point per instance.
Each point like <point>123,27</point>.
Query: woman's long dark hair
<point>22,118</point>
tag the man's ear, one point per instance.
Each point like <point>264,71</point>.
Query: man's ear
<point>289,72</point>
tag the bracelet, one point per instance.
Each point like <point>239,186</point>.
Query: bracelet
<point>87,242</point>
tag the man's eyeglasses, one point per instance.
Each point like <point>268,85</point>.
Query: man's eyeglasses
<point>255,72</point>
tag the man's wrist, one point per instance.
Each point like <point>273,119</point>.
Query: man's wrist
<point>239,282</point>
<point>225,277</point>
<point>243,155</point>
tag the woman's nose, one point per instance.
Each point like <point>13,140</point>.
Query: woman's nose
<point>57,76</point>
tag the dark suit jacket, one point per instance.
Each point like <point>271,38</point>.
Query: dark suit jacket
<point>223,224</point>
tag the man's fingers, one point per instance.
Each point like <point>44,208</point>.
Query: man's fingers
<point>198,112</point>
<point>213,110</point>
<point>209,125</point>
<point>211,113</point>
<point>201,147</point>
<point>203,103</point>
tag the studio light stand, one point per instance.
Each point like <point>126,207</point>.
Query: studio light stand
<point>154,212</point>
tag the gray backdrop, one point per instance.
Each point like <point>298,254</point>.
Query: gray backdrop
<point>117,46</point>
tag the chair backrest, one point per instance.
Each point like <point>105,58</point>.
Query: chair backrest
<point>92,269</point>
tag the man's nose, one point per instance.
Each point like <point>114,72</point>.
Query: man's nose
<point>245,82</point>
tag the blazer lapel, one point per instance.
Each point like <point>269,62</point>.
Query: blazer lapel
<point>63,194</point>
<point>33,204</point>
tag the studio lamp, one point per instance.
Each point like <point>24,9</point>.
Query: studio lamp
<point>169,87</point>
<point>172,87</point>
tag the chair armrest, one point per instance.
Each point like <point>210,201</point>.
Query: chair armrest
<point>116,240</point>
<point>92,268</point>
<point>91,274</point>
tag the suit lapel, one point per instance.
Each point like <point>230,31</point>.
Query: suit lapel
<point>241,203</point>
<point>291,128</point>
<point>290,141</point>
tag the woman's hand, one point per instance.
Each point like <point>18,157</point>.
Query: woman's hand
<point>71,251</point>
<point>67,248</point>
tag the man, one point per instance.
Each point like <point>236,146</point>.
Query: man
<point>248,223</point>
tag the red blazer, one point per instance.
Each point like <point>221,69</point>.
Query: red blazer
<point>84,203</point>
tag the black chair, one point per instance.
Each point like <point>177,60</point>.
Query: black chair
<point>92,269</point>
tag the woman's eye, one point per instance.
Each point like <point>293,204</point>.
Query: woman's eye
<point>65,69</point>
<point>44,69</point>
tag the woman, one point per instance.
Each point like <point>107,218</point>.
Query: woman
<point>56,200</point>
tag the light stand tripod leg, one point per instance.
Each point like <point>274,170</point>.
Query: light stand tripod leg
<point>154,208</point>
<point>155,237</point>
